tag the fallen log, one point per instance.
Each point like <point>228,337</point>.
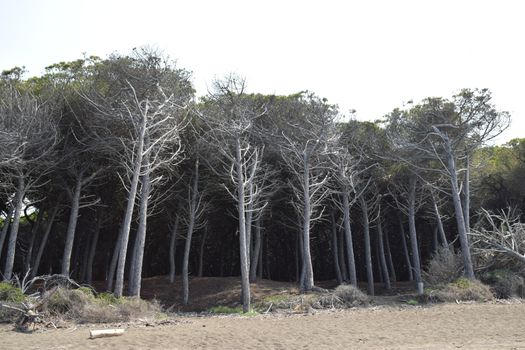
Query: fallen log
<point>105,333</point>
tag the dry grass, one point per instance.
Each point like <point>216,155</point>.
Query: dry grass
<point>444,267</point>
<point>505,283</point>
<point>462,289</point>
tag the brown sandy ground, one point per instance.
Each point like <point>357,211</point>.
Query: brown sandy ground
<point>443,326</point>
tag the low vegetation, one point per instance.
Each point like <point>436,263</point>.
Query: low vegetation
<point>461,289</point>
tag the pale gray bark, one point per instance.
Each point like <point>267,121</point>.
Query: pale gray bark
<point>441,230</point>
<point>416,265</point>
<point>405,250</point>
<point>193,207</point>
<point>11,244</point>
<point>173,248</point>
<point>368,249</point>
<point>34,230</point>
<point>5,228</point>
<point>71,228</point>
<point>462,232</point>
<point>335,253</point>
<point>382,256</point>
<point>466,195</point>
<point>308,282</point>
<point>43,242</point>
<point>342,255</point>
<point>348,239</point>
<point>135,277</point>
<point>110,279</point>
<point>389,260</point>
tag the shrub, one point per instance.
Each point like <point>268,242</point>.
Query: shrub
<point>444,267</point>
<point>351,295</point>
<point>10,293</point>
<point>222,309</point>
<point>505,283</point>
<point>462,289</point>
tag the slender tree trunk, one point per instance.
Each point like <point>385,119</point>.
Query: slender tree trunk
<point>389,260</point>
<point>173,247</point>
<point>260,263</point>
<point>466,196</point>
<point>5,228</point>
<point>413,234</point>
<point>335,252</point>
<point>249,219</point>
<point>126,225</point>
<point>191,224</point>
<point>434,239</point>
<point>382,256</point>
<point>87,242</point>
<point>201,251</point>
<point>113,264</point>
<point>34,231</point>
<point>405,250</point>
<point>256,251</point>
<point>368,250</point>
<point>342,255</point>
<point>11,244</point>
<point>460,219</point>
<point>348,239</point>
<point>439,222</point>
<point>308,282</point>
<point>140,239</point>
<point>93,249</point>
<point>43,243</point>
<point>71,228</point>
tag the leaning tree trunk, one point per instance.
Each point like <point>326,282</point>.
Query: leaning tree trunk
<point>413,234</point>
<point>140,239</point>
<point>126,225</point>
<point>245,273</point>
<point>256,251</point>
<point>389,260</point>
<point>71,228</point>
<point>11,244</point>
<point>3,233</point>
<point>441,230</point>
<point>191,224</point>
<point>93,249</point>
<point>405,250</point>
<point>34,231</point>
<point>368,249</point>
<point>348,239</point>
<point>113,264</point>
<point>335,249</point>
<point>466,195</point>
<point>43,242</point>
<point>458,210</point>
<point>173,247</point>
<point>341,255</point>
<point>382,256</point>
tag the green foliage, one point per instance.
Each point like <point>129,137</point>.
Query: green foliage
<point>462,289</point>
<point>11,293</point>
<point>221,309</point>
<point>412,302</point>
<point>505,283</point>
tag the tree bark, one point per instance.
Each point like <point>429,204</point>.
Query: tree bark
<point>413,234</point>
<point>389,260</point>
<point>34,231</point>
<point>441,230</point>
<point>335,252</point>
<point>43,243</point>
<point>71,228</point>
<point>342,255</point>
<point>11,244</point>
<point>113,264</point>
<point>405,250</point>
<point>5,228</point>
<point>126,225</point>
<point>191,224</point>
<point>466,196</point>
<point>348,239</point>
<point>382,256</point>
<point>460,219</point>
<point>368,250</point>
<point>173,247</point>
<point>140,239</point>
<point>93,249</point>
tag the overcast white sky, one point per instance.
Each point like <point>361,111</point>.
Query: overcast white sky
<point>371,55</point>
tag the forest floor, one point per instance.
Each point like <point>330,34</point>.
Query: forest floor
<point>389,323</point>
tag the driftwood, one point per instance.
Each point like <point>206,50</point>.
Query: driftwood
<point>105,333</point>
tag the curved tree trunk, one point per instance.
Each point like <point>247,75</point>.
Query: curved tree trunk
<point>368,249</point>
<point>43,243</point>
<point>71,228</point>
<point>5,228</point>
<point>191,224</point>
<point>173,247</point>
<point>405,249</point>
<point>413,234</point>
<point>11,244</point>
<point>348,239</point>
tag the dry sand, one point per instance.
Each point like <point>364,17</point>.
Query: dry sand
<point>446,326</point>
